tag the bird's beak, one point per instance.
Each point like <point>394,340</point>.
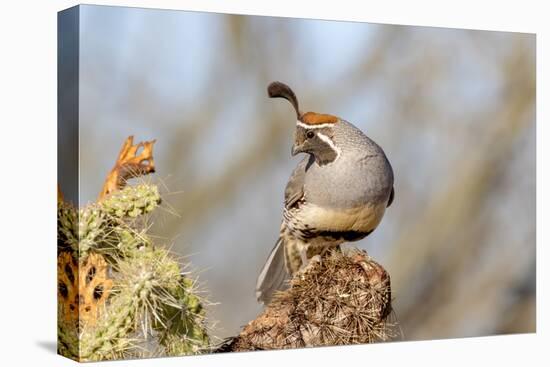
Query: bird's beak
<point>295,150</point>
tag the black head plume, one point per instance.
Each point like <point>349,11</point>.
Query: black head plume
<point>281,90</point>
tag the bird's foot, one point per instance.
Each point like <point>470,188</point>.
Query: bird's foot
<point>312,262</point>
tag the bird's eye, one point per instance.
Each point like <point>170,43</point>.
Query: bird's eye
<point>310,134</point>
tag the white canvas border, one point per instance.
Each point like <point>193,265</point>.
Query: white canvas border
<point>28,120</point>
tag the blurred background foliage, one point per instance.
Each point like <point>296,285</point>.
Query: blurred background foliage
<point>453,109</point>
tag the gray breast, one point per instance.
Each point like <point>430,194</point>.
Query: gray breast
<point>361,175</point>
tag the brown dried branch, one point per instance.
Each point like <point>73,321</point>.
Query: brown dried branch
<point>83,287</point>
<point>67,278</point>
<point>60,197</point>
<point>129,165</point>
<point>344,299</point>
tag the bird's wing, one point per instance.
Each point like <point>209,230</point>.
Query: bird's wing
<point>294,190</point>
<point>392,195</point>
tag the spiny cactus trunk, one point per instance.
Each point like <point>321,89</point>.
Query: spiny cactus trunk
<point>343,299</point>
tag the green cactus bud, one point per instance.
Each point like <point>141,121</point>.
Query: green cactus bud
<point>132,201</point>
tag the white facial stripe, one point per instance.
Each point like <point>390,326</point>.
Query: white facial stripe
<point>319,126</point>
<point>329,141</point>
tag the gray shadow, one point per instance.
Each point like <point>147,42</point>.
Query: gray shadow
<point>50,346</point>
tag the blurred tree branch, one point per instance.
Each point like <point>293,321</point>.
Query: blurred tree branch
<point>444,253</point>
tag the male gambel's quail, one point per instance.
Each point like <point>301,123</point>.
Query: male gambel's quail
<point>337,193</point>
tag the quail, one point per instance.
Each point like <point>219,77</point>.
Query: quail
<point>337,193</point>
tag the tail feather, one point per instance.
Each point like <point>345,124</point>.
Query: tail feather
<point>273,274</point>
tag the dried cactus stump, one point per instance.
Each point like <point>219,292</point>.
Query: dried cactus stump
<point>343,299</point>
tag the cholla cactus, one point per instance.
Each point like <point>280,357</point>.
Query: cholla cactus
<point>119,294</point>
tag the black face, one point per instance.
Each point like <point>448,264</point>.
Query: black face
<point>317,142</point>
